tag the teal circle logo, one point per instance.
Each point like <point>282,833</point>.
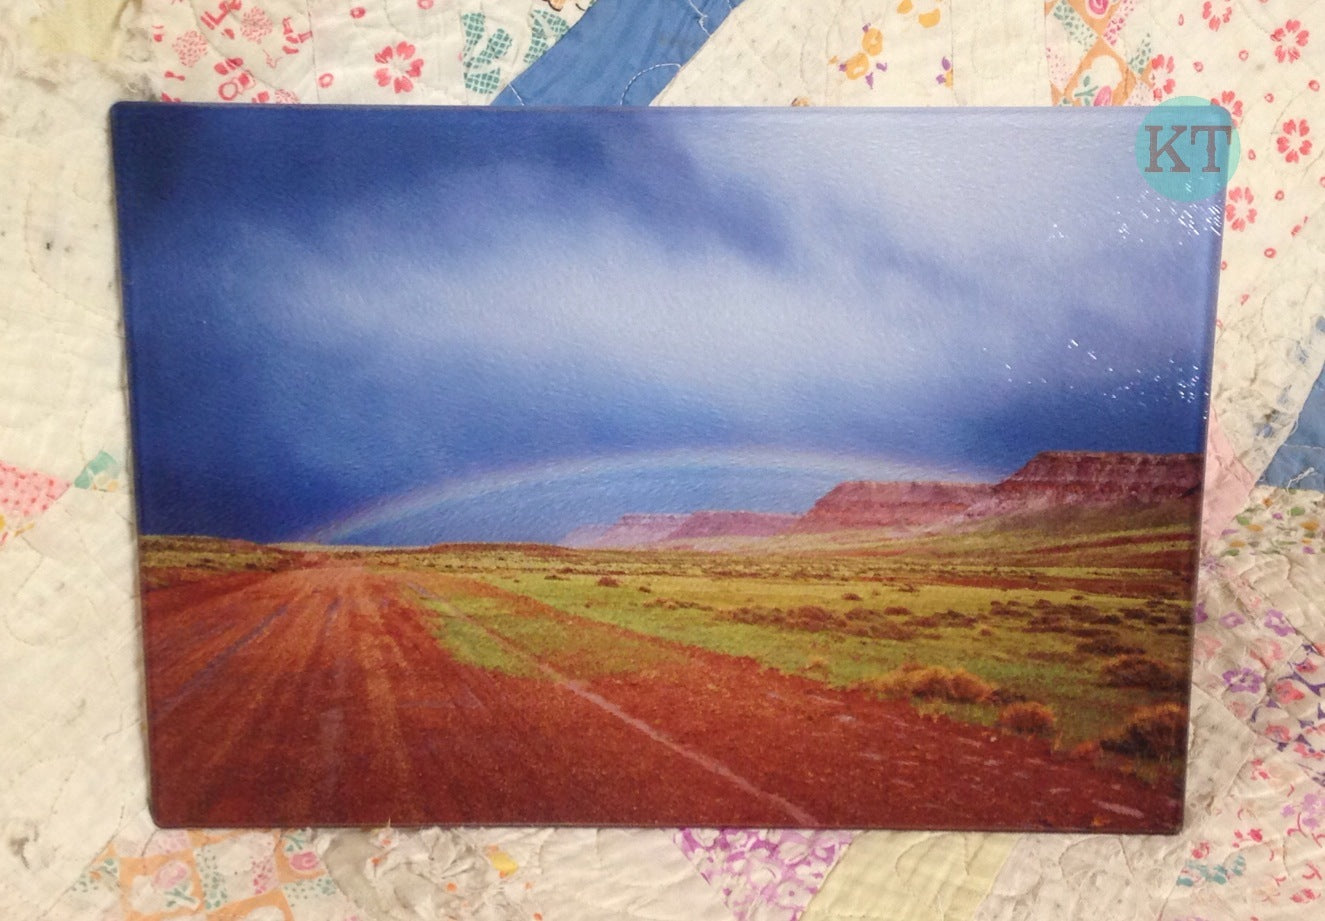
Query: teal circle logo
<point>1187,148</point>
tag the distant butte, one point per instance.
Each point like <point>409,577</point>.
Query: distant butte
<point>637,530</point>
<point>866,504</point>
<point>1050,478</point>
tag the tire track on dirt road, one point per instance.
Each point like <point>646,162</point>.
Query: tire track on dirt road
<point>799,815</point>
<point>207,744</point>
<point>345,709</point>
<point>378,652</point>
<point>215,664</point>
<point>292,748</point>
<point>184,630</point>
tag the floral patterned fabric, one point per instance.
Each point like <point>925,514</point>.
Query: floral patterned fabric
<point>763,874</point>
<point>80,844</point>
<point>258,875</point>
<point>1255,649</point>
<point>367,51</point>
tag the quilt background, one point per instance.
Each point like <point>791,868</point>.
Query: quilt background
<point>78,841</point>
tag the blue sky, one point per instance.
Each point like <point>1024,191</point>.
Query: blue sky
<point>403,326</point>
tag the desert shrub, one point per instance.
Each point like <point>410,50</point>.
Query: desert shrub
<point>671,604</point>
<point>810,618</point>
<point>1173,630</point>
<point>892,684</point>
<point>747,614</point>
<point>1152,732</point>
<point>957,618</point>
<point>1088,632</point>
<point>883,630</point>
<point>553,577</point>
<point>986,631</point>
<point>933,682</point>
<point>862,621</point>
<point>952,684</point>
<point>645,589</point>
<point>850,596</point>
<point>925,620</point>
<point>1107,646</point>
<point>1086,751</point>
<point>1083,611</point>
<point>1045,623</point>
<point>1138,671</point>
<point>1110,619</point>
<point>1135,613</point>
<point>814,618</point>
<point>609,582</point>
<point>1004,696</point>
<point>897,610</point>
<point>1052,655</point>
<point>1028,718</point>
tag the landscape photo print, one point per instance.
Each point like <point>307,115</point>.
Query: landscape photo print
<point>663,466</point>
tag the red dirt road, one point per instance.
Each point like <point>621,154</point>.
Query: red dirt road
<point>320,696</point>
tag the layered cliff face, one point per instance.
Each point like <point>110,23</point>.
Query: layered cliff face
<point>1049,479</point>
<point>1110,475</point>
<point>1094,478</point>
<point>863,504</point>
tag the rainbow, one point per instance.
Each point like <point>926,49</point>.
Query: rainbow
<point>835,467</point>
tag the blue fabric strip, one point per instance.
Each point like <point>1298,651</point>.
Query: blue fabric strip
<point>621,52</point>
<point>1305,448</point>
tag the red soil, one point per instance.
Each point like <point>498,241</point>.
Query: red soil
<point>320,696</point>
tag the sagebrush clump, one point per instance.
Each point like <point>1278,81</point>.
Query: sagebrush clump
<point>933,682</point>
<point>1159,731</point>
<point>1138,671</point>
<point>1029,718</point>
<point>1108,646</point>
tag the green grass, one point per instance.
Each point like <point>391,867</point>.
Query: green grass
<point>473,645</point>
<point>691,597</point>
<point>483,631</point>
